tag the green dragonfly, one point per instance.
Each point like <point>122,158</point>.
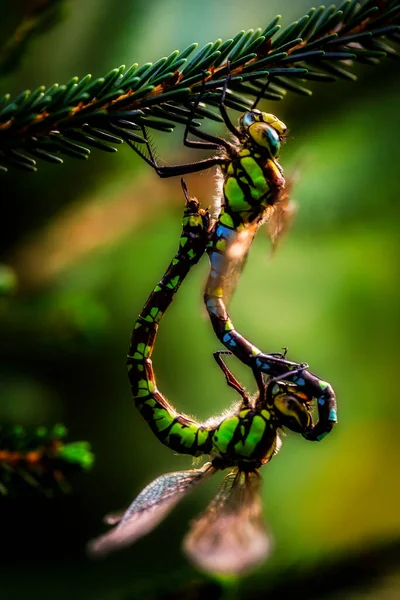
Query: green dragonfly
<point>252,190</point>
<point>230,537</point>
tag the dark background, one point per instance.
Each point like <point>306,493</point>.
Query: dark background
<point>88,242</point>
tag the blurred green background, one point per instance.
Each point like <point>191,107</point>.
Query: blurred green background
<point>88,242</point>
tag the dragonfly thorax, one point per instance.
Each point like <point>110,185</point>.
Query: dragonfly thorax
<point>247,439</point>
<point>253,179</point>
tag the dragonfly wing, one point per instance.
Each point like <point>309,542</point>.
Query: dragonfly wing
<point>280,216</point>
<point>280,222</point>
<point>234,259</point>
<point>148,509</point>
<point>114,517</point>
<point>230,538</point>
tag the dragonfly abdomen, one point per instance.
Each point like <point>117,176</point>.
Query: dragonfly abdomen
<point>225,252</point>
<point>225,331</point>
<point>176,431</point>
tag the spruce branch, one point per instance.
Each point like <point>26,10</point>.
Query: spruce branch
<point>40,459</point>
<point>70,119</point>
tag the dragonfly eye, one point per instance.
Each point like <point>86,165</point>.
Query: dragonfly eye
<point>292,413</point>
<point>275,123</point>
<point>248,119</point>
<point>265,136</point>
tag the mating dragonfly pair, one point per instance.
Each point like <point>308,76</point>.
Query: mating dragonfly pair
<point>230,537</point>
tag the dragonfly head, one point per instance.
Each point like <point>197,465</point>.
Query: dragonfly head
<point>263,130</point>
<point>291,407</point>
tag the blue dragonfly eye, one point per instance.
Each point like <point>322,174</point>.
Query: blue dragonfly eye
<point>248,119</point>
<point>271,140</point>
<point>265,136</point>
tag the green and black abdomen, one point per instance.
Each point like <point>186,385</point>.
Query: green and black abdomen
<point>176,431</point>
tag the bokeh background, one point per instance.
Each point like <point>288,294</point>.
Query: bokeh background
<point>87,242</point>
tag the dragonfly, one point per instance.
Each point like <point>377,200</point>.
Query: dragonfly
<point>252,191</point>
<point>230,537</point>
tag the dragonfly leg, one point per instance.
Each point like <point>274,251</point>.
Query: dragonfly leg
<point>175,170</point>
<point>280,354</point>
<point>208,142</point>
<point>287,375</point>
<point>212,142</point>
<point>262,91</point>
<point>230,378</point>
<point>222,107</point>
<point>260,380</point>
<point>205,141</point>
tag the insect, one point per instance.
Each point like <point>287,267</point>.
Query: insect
<point>39,459</point>
<point>230,537</point>
<point>253,190</point>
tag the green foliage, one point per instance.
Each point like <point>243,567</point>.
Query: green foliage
<point>39,459</point>
<point>36,16</point>
<point>68,119</point>
<point>8,280</point>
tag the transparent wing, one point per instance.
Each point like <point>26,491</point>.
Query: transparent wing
<point>230,538</point>
<point>148,509</point>
<point>114,517</point>
<point>234,259</point>
<point>280,216</point>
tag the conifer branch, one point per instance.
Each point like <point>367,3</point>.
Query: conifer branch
<point>39,459</point>
<point>69,119</point>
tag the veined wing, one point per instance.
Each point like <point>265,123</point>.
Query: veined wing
<point>232,261</point>
<point>280,216</point>
<point>114,517</point>
<point>148,509</point>
<point>230,538</point>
